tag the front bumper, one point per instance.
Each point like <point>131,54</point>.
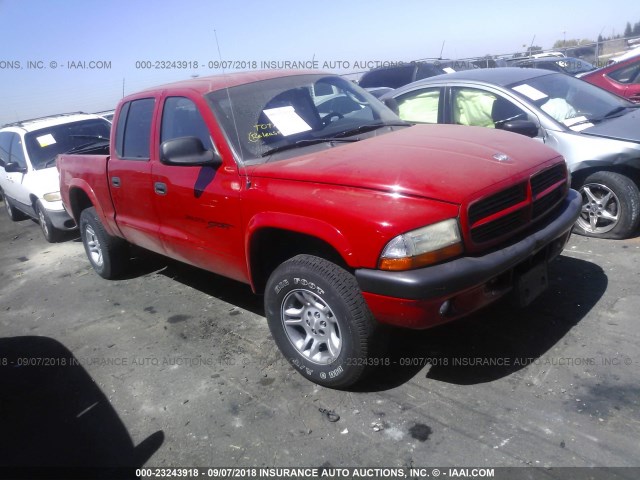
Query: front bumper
<point>61,220</point>
<point>414,298</point>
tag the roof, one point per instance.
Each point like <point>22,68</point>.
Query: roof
<point>502,76</point>
<point>50,121</point>
<point>218,82</point>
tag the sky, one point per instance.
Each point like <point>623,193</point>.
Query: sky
<point>82,55</point>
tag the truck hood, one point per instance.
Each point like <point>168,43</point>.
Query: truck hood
<point>624,127</point>
<point>442,162</point>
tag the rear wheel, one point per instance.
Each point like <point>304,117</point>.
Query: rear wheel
<point>108,255</point>
<point>51,233</point>
<point>610,206</point>
<point>13,213</point>
<point>320,321</point>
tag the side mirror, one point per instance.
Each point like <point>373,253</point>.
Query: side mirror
<point>392,105</point>
<point>188,151</point>
<point>522,127</point>
<point>13,167</point>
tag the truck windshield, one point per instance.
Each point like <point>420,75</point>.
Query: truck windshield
<point>45,144</point>
<point>293,112</point>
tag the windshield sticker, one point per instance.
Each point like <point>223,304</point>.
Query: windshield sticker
<point>263,130</point>
<point>287,120</point>
<point>46,140</point>
<point>449,70</point>
<point>577,124</point>
<point>528,91</point>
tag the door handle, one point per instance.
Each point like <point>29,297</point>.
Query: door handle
<point>115,181</point>
<point>160,188</point>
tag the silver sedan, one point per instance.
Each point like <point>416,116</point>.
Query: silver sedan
<point>598,133</point>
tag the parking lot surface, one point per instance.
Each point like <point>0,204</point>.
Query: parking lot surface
<point>174,366</point>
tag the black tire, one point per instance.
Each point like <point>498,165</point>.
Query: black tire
<point>13,213</point>
<point>610,206</point>
<point>51,233</point>
<point>331,345</point>
<point>108,255</point>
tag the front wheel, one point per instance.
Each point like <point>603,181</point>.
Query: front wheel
<point>320,321</point>
<point>610,206</point>
<point>51,234</point>
<point>108,255</point>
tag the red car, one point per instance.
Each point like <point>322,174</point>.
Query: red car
<point>622,78</point>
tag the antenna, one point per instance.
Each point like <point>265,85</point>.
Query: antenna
<point>441,50</point>
<point>233,115</point>
<point>531,46</point>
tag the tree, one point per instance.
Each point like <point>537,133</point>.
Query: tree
<point>627,30</point>
<point>636,29</point>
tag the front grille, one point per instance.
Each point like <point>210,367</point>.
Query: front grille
<point>493,218</point>
<point>543,180</point>
<point>491,230</point>
<point>542,205</point>
<point>498,202</point>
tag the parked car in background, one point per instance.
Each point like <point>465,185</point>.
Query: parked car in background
<point>399,75</point>
<point>621,78</point>
<point>597,132</point>
<point>28,175</point>
<point>568,65</point>
<point>106,114</point>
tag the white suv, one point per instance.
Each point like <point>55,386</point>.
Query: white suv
<point>28,176</point>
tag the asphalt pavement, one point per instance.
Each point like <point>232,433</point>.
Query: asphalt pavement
<point>174,366</point>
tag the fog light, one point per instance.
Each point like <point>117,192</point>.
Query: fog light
<point>444,308</point>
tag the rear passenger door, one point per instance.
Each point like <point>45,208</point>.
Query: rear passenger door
<point>129,174</point>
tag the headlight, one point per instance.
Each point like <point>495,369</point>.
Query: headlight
<point>421,247</point>
<point>52,197</point>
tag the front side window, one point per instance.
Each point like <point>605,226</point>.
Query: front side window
<point>5,147</point>
<point>181,118</point>
<point>45,144</point>
<point>17,152</point>
<point>296,111</point>
<point>420,106</point>
<point>481,108</point>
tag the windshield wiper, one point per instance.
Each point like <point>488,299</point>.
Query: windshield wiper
<point>618,110</point>
<point>369,127</point>
<point>305,142</point>
<point>82,135</point>
<point>83,146</point>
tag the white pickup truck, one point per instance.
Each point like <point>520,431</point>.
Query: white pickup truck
<point>29,179</point>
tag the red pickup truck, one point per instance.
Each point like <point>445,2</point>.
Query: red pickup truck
<point>306,187</point>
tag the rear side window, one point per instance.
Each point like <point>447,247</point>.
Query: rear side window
<point>134,129</point>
